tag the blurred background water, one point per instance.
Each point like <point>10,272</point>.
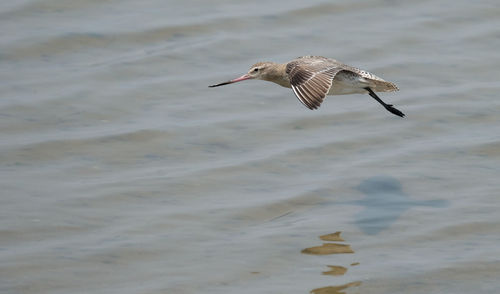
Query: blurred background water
<point>121,172</point>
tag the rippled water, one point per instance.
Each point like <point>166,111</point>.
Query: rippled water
<point>121,172</point>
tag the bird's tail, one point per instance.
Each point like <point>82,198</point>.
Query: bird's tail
<point>383,86</point>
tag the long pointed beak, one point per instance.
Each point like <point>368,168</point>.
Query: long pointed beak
<point>242,78</point>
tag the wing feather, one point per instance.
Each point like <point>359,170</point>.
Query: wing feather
<point>311,79</point>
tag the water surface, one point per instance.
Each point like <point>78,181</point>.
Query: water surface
<point>122,172</point>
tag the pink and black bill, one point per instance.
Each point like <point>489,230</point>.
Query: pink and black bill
<point>242,78</point>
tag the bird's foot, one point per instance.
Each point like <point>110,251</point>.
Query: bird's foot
<point>394,110</point>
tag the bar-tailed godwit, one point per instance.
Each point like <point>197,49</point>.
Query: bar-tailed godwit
<point>313,77</point>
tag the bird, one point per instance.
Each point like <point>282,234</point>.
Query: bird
<point>312,78</point>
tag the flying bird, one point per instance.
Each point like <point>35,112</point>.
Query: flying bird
<point>313,77</point>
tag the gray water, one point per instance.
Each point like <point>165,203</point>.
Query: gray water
<point>121,172</point>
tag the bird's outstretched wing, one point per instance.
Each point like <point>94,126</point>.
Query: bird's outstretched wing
<point>311,79</point>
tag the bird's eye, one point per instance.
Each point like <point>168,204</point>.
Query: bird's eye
<point>256,69</point>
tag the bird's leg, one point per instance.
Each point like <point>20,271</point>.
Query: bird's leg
<point>389,107</point>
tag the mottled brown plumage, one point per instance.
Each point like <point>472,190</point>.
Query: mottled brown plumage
<point>313,77</point>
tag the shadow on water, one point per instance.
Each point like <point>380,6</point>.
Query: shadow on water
<point>335,289</point>
<point>334,270</point>
<point>384,202</point>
